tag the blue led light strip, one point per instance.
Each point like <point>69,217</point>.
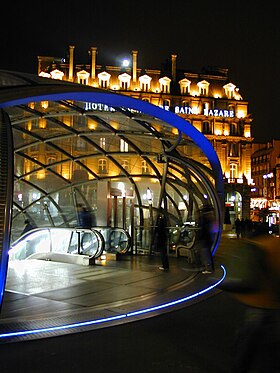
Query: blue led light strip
<point>113,318</point>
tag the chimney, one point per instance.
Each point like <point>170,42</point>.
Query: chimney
<point>173,59</point>
<point>134,66</point>
<point>71,62</point>
<point>93,62</point>
<point>39,64</point>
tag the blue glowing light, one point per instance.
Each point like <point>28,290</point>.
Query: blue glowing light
<point>117,317</point>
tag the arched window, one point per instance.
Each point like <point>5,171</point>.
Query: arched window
<point>145,167</point>
<point>102,166</point>
<point>233,129</point>
<point>125,165</point>
<point>233,170</point>
<point>206,128</point>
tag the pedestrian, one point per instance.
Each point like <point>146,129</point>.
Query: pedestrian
<point>28,226</point>
<point>254,280</point>
<point>84,217</point>
<point>161,240</point>
<point>242,228</point>
<point>237,227</point>
<point>205,239</point>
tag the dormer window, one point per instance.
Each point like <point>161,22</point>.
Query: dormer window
<point>124,81</point>
<point>44,74</point>
<point>229,90</point>
<point>203,88</point>
<point>145,83</point>
<point>165,84</point>
<point>57,74</point>
<point>83,77</point>
<point>123,146</point>
<point>104,79</point>
<point>185,86</point>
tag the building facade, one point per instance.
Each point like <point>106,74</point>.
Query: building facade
<point>265,198</point>
<point>208,100</point>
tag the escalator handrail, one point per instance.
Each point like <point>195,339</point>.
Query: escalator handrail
<point>99,236</point>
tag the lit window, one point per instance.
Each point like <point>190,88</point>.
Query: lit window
<point>165,84</point>
<point>145,83</point>
<point>145,167</point>
<point>102,166</point>
<point>125,165</point>
<point>185,85</point>
<point>102,142</point>
<point>83,77</point>
<point>203,87</point>
<point>233,170</point>
<point>51,159</point>
<point>229,90</point>
<point>123,146</point>
<point>56,74</point>
<point>104,79</point>
<point>124,81</point>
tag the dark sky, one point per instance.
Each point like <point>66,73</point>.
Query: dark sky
<point>243,36</point>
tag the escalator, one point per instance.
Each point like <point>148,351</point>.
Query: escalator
<point>6,195</point>
<point>75,245</point>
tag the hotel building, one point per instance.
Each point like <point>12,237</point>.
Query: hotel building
<point>209,100</point>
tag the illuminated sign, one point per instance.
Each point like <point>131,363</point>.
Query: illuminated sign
<point>96,106</point>
<point>177,110</point>
<point>206,112</point>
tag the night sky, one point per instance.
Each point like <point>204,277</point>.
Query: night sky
<point>243,36</point>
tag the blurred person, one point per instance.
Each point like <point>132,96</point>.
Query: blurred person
<point>28,226</point>
<point>161,240</point>
<point>254,280</point>
<point>205,239</point>
<point>84,217</point>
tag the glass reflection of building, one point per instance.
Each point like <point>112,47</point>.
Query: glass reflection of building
<point>122,163</point>
<point>208,100</point>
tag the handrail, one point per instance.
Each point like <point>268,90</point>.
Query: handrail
<point>6,193</point>
<point>117,240</point>
<point>88,242</point>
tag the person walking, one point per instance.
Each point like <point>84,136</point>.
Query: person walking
<point>205,237</point>
<point>161,240</point>
<point>253,279</point>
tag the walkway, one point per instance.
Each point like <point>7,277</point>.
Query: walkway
<point>45,298</point>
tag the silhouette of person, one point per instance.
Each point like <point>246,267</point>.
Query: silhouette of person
<point>205,237</point>
<point>238,227</point>
<point>28,226</point>
<point>256,266</point>
<point>84,217</point>
<point>161,240</point>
